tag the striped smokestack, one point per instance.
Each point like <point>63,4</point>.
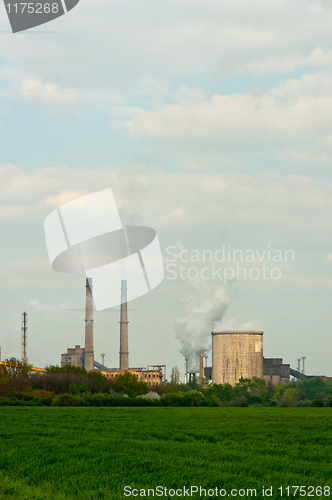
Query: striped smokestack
<point>124,363</point>
<point>88,354</point>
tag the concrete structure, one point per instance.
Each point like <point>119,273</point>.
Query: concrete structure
<point>124,353</point>
<point>208,374</point>
<point>235,355</point>
<point>73,356</point>
<point>201,369</point>
<point>274,371</point>
<point>151,377</point>
<point>88,355</point>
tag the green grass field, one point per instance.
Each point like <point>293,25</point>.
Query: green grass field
<point>93,453</point>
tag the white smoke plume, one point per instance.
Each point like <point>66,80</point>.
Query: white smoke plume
<point>205,307</point>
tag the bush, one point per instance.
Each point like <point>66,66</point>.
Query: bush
<point>317,402</point>
<point>68,400</point>
<point>127,383</point>
<point>240,401</point>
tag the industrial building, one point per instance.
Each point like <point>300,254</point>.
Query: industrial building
<point>235,355</point>
<point>274,371</point>
<point>73,356</point>
<point>151,375</point>
<point>84,356</point>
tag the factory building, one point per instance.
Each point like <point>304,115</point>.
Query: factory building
<point>274,371</point>
<point>150,376</point>
<point>73,356</point>
<point>235,355</point>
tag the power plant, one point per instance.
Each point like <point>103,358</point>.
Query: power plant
<point>84,356</point>
<point>235,355</point>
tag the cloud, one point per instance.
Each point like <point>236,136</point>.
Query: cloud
<point>64,197</point>
<point>33,89</point>
<point>291,115</point>
<point>328,258</point>
<point>130,41</point>
<point>18,85</point>
<point>38,306</point>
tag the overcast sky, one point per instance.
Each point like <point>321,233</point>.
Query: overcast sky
<point>212,123</point>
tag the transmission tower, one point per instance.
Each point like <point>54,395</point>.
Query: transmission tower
<point>24,339</point>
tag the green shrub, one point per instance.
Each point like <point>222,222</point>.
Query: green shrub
<point>317,402</point>
<point>240,402</point>
<point>68,400</point>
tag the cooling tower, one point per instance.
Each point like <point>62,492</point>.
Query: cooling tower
<point>124,354</point>
<point>88,353</point>
<point>236,355</point>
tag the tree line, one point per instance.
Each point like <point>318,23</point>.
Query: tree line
<point>74,386</point>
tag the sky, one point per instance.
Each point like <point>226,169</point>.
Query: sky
<point>212,123</point>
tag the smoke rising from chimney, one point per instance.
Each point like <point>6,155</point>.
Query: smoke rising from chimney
<point>204,308</point>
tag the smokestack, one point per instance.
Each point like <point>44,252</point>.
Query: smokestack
<point>187,365</point>
<point>124,363</point>
<point>201,369</point>
<point>88,354</point>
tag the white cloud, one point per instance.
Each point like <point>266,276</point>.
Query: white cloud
<point>258,208</point>
<point>129,41</point>
<point>328,258</point>
<point>290,115</point>
<point>35,90</point>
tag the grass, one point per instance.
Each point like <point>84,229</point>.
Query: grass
<point>92,453</point>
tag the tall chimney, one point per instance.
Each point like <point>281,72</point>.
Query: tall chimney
<point>88,354</point>
<point>124,363</point>
<point>201,369</point>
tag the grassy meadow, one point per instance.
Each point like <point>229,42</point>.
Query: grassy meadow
<point>93,453</point>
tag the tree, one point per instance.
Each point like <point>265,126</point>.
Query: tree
<point>289,396</point>
<point>79,370</point>
<point>17,368</point>
<point>127,383</point>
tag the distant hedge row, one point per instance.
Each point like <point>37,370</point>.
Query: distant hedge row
<point>73,386</point>
<point>192,398</point>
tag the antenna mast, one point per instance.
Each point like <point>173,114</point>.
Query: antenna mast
<point>24,339</point>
